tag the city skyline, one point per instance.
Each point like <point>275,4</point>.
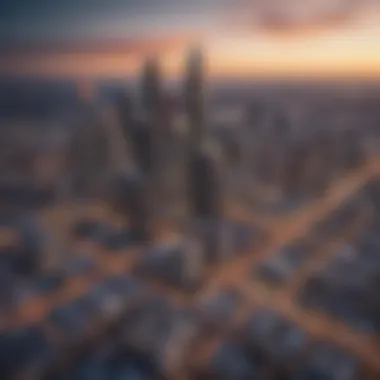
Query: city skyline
<point>246,38</point>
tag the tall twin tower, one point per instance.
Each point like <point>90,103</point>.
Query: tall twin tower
<point>202,174</point>
<point>152,97</point>
<point>149,138</point>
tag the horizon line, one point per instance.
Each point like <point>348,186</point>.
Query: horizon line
<point>346,78</point>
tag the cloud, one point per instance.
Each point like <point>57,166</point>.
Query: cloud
<point>296,15</point>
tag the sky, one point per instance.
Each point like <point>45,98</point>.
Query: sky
<point>266,38</point>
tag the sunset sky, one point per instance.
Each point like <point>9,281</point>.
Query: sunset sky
<point>241,37</point>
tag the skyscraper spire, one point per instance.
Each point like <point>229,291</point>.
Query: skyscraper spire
<point>194,92</point>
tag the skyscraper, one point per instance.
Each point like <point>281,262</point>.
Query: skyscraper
<point>194,96</point>
<point>88,153</point>
<point>202,177</point>
<point>124,109</point>
<point>143,148</point>
<point>131,199</point>
<point>151,90</point>
<point>148,135</point>
<point>203,186</point>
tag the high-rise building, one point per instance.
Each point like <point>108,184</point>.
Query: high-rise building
<point>202,179</point>
<point>88,154</point>
<point>203,186</point>
<point>123,105</point>
<point>194,96</point>
<point>142,146</point>
<point>131,199</point>
<point>151,90</point>
<point>149,133</point>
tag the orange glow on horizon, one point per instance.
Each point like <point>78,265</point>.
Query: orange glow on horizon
<point>351,51</point>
